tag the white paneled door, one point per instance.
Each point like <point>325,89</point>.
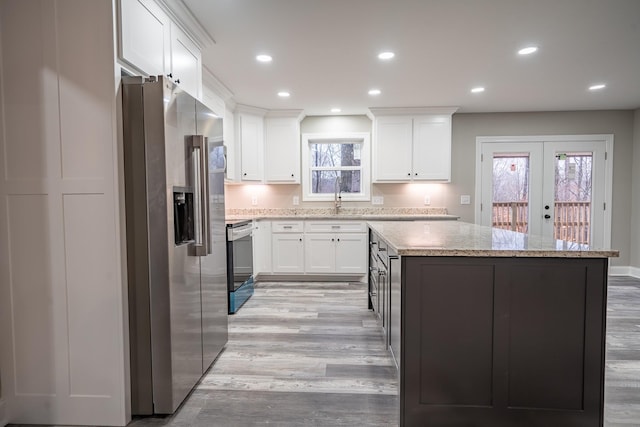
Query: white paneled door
<point>558,187</point>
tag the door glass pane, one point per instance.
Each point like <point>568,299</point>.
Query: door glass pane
<point>510,199</point>
<point>572,210</point>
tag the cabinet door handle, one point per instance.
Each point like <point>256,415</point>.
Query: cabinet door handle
<point>244,174</point>
<point>301,239</point>
<point>178,81</point>
<point>416,174</point>
<point>291,175</point>
<point>338,240</point>
<point>409,174</point>
<point>170,75</point>
<point>287,227</point>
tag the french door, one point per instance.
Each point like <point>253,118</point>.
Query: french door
<point>553,186</point>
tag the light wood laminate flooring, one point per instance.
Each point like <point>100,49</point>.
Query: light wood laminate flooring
<point>311,354</point>
<point>299,354</point>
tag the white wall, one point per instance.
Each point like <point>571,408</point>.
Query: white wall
<point>62,331</point>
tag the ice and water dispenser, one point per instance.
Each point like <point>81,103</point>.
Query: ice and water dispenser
<point>183,220</point>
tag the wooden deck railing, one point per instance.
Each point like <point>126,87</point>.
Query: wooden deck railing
<point>511,216</point>
<point>572,220</point>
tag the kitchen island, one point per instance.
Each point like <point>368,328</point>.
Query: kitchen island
<point>491,327</point>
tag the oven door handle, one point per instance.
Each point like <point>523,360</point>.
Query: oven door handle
<point>238,233</point>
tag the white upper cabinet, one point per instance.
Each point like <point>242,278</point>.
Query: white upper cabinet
<point>145,34</point>
<point>412,144</point>
<point>393,141</point>
<point>186,63</point>
<point>432,147</point>
<point>250,135</point>
<point>282,147</point>
<point>155,45</point>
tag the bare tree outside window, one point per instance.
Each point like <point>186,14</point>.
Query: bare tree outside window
<point>511,192</point>
<point>330,160</point>
<point>573,177</point>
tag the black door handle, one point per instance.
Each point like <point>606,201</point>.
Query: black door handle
<point>547,216</point>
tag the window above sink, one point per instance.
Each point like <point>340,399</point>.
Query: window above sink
<point>336,163</point>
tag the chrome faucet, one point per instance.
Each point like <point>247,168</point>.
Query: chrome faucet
<point>337,194</point>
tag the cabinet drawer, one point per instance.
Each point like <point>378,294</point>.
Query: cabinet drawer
<point>335,227</point>
<point>287,226</point>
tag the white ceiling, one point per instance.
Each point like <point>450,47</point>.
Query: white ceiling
<point>325,53</point>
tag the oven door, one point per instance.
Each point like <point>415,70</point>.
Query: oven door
<point>240,251</point>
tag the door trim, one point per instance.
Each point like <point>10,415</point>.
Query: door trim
<point>608,165</point>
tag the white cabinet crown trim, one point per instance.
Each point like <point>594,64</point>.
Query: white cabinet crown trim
<point>182,16</point>
<point>411,111</point>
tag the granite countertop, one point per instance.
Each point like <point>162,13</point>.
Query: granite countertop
<point>362,214</point>
<point>352,217</point>
<point>454,238</point>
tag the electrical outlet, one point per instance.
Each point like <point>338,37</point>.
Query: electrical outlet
<point>377,200</point>
<point>465,199</point>
<point>254,200</point>
<point>296,200</point>
<point>427,200</point>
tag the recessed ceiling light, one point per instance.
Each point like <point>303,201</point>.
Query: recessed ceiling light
<point>598,86</point>
<point>386,55</point>
<point>284,94</point>
<point>528,50</point>
<point>335,110</point>
<point>375,92</point>
<point>264,58</point>
<point>477,89</point>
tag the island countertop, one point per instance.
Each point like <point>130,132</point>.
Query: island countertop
<point>461,239</point>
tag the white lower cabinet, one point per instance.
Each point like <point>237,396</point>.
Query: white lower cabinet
<point>287,247</point>
<point>341,253</point>
<point>318,247</point>
<point>262,247</point>
<point>351,253</point>
<point>288,253</point>
<point>319,253</point>
<point>335,247</point>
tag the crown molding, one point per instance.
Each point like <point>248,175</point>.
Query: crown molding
<point>257,111</point>
<point>297,114</point>
<point>181,15</point>
<point>397,111</point>
<point>212,82</point>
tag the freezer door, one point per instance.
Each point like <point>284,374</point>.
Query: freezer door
<point>214,264</point>
<point>176,337</point>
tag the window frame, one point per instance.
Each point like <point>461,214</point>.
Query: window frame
<point>362,138</point>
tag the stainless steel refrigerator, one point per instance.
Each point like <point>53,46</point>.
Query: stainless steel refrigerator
<point>174,165</point>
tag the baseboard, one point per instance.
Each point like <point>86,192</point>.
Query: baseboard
<point>263,277</point>
<point>625,271</point>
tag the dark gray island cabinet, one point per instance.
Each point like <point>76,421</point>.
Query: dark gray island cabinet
<point>497,328</point>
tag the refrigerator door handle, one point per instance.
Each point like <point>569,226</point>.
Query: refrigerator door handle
<point>198,144</point>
